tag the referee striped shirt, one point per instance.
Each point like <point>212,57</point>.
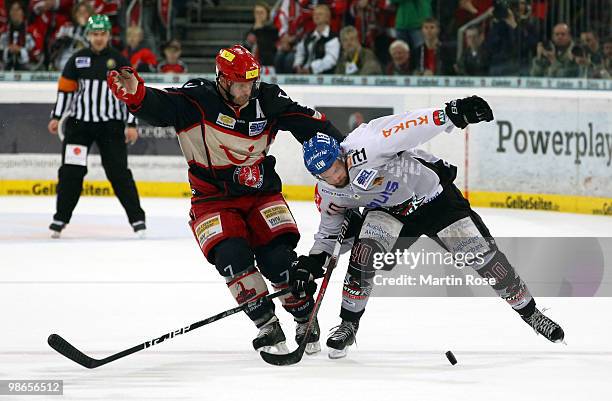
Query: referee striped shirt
<point>83,92</point>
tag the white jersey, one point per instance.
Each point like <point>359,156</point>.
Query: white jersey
<point>385,170</point>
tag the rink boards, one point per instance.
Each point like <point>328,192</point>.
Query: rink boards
<point>545,150</point>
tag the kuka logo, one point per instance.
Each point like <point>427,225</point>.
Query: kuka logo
<point>404,125</point>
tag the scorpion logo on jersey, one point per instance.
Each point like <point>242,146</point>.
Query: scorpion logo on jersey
<point>251,176</point>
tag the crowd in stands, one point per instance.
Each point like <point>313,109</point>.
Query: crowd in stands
<point>541,38</point>
<point>43,35</point>
<point>423,37</point>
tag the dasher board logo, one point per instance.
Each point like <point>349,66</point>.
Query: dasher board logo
<point>257,127</point>
<point>439,117</point>
<point>226,121</point>
<point>82,62</point>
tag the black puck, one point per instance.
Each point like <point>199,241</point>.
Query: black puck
<point>451,358</point>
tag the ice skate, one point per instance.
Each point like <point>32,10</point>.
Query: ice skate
<point>271,338</point>
<point>545,326</point>
<point>140,228</point>
<point>313,346</point>
<point>56,228</point>
<point>341,338</point>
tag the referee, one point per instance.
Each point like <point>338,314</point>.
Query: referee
<point>93,115</point>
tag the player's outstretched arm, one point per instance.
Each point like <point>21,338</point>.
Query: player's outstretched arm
<point>156,107</point>
<point>390,134</point>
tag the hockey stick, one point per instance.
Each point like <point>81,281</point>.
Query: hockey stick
<point>69,351</point>
<point>295,356</point>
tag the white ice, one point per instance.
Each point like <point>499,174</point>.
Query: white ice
<point>104,290</point>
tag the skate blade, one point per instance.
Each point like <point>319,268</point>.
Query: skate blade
<point>337,353</point>
<point>313,348</point>
<point>55,234</point>
<point>141,234</point>
<point>280,348</point>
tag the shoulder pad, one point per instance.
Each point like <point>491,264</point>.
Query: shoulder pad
<point>193,83</point>
<point>356,157</point>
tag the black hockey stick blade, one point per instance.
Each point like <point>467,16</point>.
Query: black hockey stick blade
<point>69,351</point>
<point>285,359</point>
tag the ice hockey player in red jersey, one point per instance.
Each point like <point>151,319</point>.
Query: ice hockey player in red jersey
<point>238,214</point>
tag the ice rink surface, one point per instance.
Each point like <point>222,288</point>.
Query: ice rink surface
<point>104,290</point>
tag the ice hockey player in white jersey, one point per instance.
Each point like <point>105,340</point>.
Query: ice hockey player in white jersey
<point>405,192</point>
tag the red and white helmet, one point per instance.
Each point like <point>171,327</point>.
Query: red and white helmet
<point>237,64</point>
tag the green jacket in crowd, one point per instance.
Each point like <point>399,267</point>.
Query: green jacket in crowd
<point>411,13</point>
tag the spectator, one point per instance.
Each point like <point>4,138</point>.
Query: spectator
<point>555,58</point>
<point>16,42</point>
<point>527,36</point>
<point>355,59</point>
<point>290,20</point>
<point>400,59</point>
<point>467,10</point>
<point>318,52</point>
<point>71,37</point>
<point>172,59</point>
<point>432,57</point>
<point>261,39</point>
<point>501,43</point>
<point>445,11</point>
<point>3,19</point>
<point>473,60</point>
<point>586,68</point>
<point>409,18</point>
<point>607,54</point>
<point>46,19</point>
<point>375,22</point>
<point>590,41</point>
<point>141,58</point>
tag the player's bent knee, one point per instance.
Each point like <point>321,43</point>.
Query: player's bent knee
<point>275,259</point>
<point>232,256</point>
<point>378,235</point>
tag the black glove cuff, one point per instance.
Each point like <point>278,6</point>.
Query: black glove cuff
<point>453,112</point>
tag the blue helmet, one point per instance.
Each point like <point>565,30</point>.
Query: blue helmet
<point>320,152</point>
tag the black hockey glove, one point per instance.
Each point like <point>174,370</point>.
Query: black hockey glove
<point>305,270</point>
<point>468,110</point>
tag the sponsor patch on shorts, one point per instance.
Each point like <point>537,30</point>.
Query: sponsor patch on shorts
<point>207,229</point>
<point>277,215</point>
<point>76,155</point>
